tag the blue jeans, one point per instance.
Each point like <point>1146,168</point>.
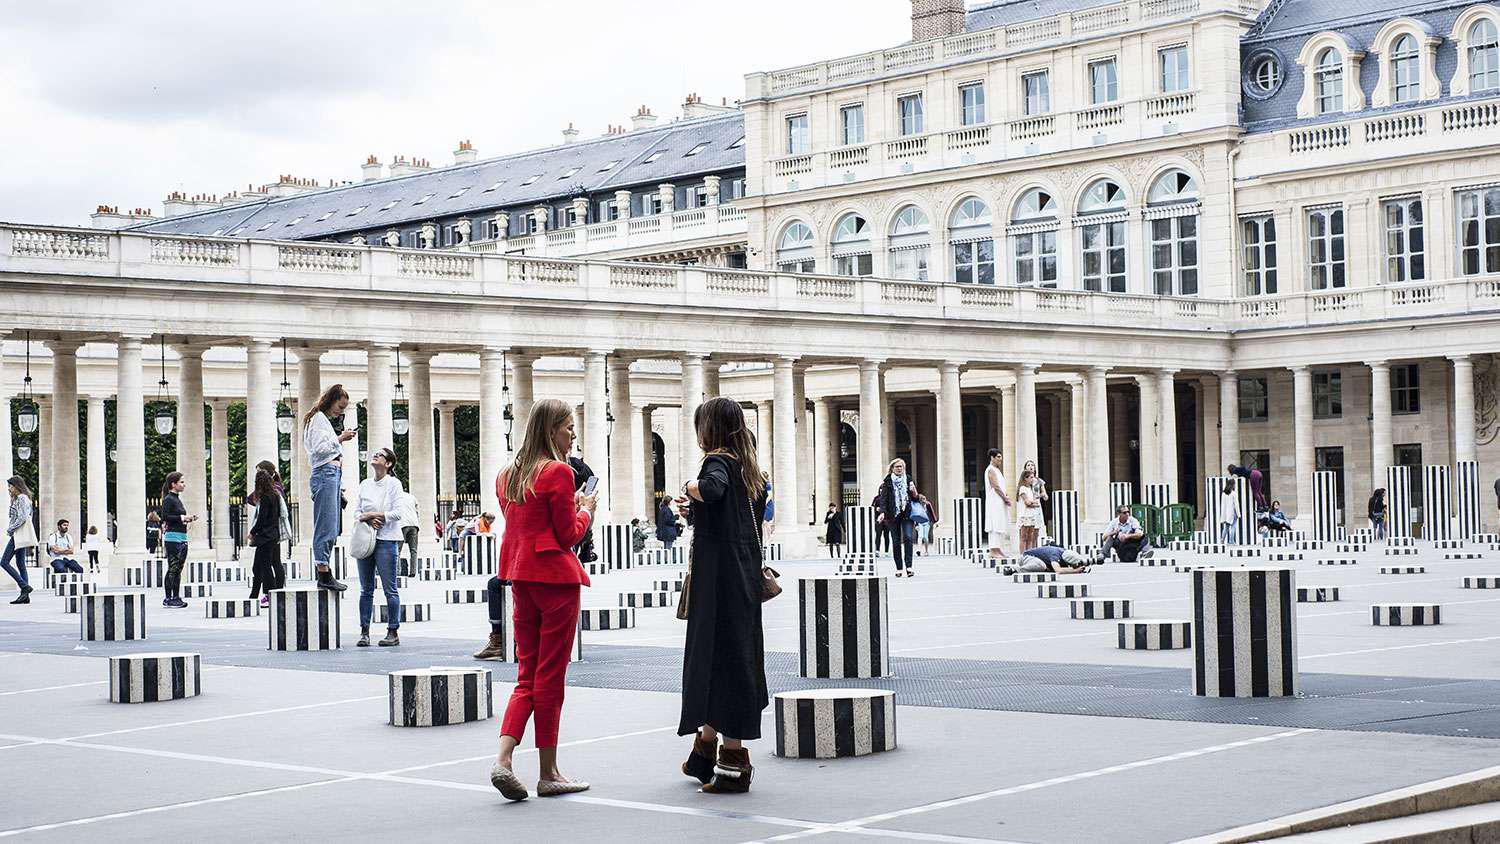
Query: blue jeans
<point>901,539</point>
<point>325,484</point>
<point>66,564</point>
<point>384,562</point>
<point>18,571</point>
<point>1226,531</point>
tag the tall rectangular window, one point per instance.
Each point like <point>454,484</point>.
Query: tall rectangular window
<point>1479,230</point>
<point>700,196</point>
<point>1174,255</point>
<point>852,124</point>
<point>1325,247</point>
<point>1104,85</point>
<point>971,104</point>
<point>1102,247</point>
<point>1255,405</point>
<point>798,136</point>
<point>650,204</point>
<point>1405,246</point>
<point>974,262</point>
<point>1328,394</point>
<point>1259,235</point>
<point>1036,258</point>
<point>1036,93</point>
<point>1174,68</point>
<point>1406,388</point>
<point>1331,459</point>
<point>909,110</point>
<point>608,210</point>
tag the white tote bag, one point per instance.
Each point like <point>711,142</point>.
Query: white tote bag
<point>362,541</point>
<point>25,535</point>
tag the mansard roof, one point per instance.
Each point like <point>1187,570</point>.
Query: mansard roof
<point>602,164</point>
<point>1008,12</point>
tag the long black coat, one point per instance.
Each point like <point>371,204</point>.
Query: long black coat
<point>835,527</point>
<point>724,657</point>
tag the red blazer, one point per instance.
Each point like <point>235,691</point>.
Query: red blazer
<point>541,531</point>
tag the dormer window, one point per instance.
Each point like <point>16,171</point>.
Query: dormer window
<point>294,221</point>
<point>1328,77</point>
<point>423,199</point>
<point>460,192</point>
<point>495,186</point>
<point>266,226</point>
<point>1330,72</point>
<point>609,166</point>
<point>652,157</point>
<point>569,173</point>
<point>695,150</point>
<point>1406,81</point>
<point>531,180</point>
<point>389,205</point>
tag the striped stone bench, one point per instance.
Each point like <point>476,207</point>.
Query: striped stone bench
<point>1403,569</point>
<point>230,608</point>
<point>436,697</point>
<point>607,618</point>
<point>112,617</point>
<point>406,613</point>
<point>1406,615</point>
<point>1062,590</point>
<point>1317,594</point>
<point>153,677</point>
<point>647,600</point>
<point>1092,608</point>
<point>1153,634</point>
<point>1482,581</point>
<point>835,723</point>
<point>1338,561</point>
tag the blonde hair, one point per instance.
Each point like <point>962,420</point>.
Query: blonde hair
<point>537,449</point>
<point>891,466</point>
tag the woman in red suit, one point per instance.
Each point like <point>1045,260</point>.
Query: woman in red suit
<point>544,519</point>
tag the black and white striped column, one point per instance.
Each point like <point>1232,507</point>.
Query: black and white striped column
<point>230,608</point>
<point>845,627</point>
<point>1121,494</point>
<point>648,600</point>
<point>859,531</point>
<point>1403,569</point>
<point>613,543</point>
<point>1244,632</point>
<point>1406,615</point>
<point>73,587</point>
<point>835,723</point>
<point>1158,495</point>
<point>465,596</point>
<point>968,524</point>
<point>303,619</point>
<point>1467,507</point>
<point>771,552</point>
<point>436,697</point>
<point>435,575</point>
<point>1482,581</point>
<point>150,678</point>
<point>112,617</point>
<point>1062,590</point>
<point>1325,505</point>
<point>1437,503</point>
<point>1398,501</point>
<point>858,566</point>
<point>1092,608</point>
<point>480,554</point>
<point>196,590</point>
<point>406,613</point>
<point>1213,485</point>
<point>606,618</point>
<point>1153,634</point>
<point>1317,594</point>
<point>1065,517</point>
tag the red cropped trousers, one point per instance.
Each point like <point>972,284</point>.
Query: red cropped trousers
<point>546,619</point>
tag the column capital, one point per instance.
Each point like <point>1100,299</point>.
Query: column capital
<point>1028,368</point>
<point>1167,372</point>
<point>133,339</point>
<point>1299,370</point>
<point>953,364</point>
<point>1099,370</point>
<point>490,354</point>
<point>1462,359</point>
<point>189,350</point>
<point>871,363</point>
<point>699,356</point>
<point>1378,364</point>
<point>420,355</point>
<point>62,345</point>
<point>219,403</point>
<point>260,343</point>
<point>784,360</point>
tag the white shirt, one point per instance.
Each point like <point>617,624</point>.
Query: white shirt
<point>61,540</point>
<point>409,510</point>
<point>383,497</point>
<point>320,442</point>
<point>1229,507</point>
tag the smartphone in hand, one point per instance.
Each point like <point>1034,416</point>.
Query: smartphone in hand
<point>590,485</point>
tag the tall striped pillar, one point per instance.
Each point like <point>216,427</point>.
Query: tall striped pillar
<point>859,531</point>
<point>1065,517</point>
<point>1325,506</point>
<point>1121,494</point>
<point>1437,503</point>
<point>1466,495</point>
<point>1158,495</point>
<point>968,522</point>
<point>1398,501</point>
<point>615,548</point>
<point>845,627</point>
<point>1244,532</point>
<point>1244,632</point>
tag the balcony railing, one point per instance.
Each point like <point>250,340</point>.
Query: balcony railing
<point>633,233</point>
<point>1436,128</point>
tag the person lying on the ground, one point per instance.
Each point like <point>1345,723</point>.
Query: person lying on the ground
<point>1053,558</point>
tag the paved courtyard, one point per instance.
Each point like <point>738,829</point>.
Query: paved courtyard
<point>1016,723</point>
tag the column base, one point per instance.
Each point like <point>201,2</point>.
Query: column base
<point>797,543</point>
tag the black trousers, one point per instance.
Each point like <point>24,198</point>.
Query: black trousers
<point>267,572</point>
<point>901,535</point>
<point>497,607</point>
<point>1128,549</point>
<point>176,559</point>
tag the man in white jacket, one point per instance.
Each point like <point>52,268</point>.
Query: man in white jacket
<point>409,530</point>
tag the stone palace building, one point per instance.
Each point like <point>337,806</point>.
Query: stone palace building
<point>1134,240</point>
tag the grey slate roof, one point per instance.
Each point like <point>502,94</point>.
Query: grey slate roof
<point>1007,12</point>
<point>631,150</point>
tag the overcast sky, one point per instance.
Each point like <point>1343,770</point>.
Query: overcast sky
<point>120,103</point>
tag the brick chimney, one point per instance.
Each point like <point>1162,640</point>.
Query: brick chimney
<point>400,166</point>
<point>109,217</point>
<point>570,134</point>
<point>932,19</point>
<point>371,169</point>
<point>643,119</point>
<point>465,154</point>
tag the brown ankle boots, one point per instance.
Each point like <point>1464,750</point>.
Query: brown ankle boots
<point>732,774</point>
<point>700,762</point>
<point>493,649</point>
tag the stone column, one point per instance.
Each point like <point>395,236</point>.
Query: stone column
<point>66,493</point>
<point>380,360</point>
<point>1381,451</point>
<point>784,475</point>
<point>887,420</point>
<point>871,468</point>
<point>692,396</point>
<point>1096,478</point>
<point>130,447</point>
<point>765,433</point>
<point>1025,416</point>
<point>1150,439</point>
<point>191,447</point>
<point>1078,459</point>
<point>98,466</point>
<point>1213,462</point>
<point>1463,407</point>
<point>825,457</point>
<point>447,459</point>
<point>1302,415</point>
<point>1229,420</point>
<point>595,442</point>
<point>711,378</point>
<point>950,441</point>
<point>260,410</point>
<point>7,452</point>
<point>44,500</point>
<point>804,449</point>
<point>1166,445</point>
<point>309,390</point>
<point>623,453</point>
<point>522,373</point>
<point>492,452</point>
<point>420,448</point>
<point>219,492</point>
<point>647,466</point>
<point>1009,464</point>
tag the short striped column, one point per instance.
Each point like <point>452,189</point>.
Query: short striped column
<point>406,613</point>
<point>465,596</point>
<point>65,588</point>
<point>196,590</point>
<point>1244,632</point>
<point>835,723</point>
<point>859,531</point>
<point>1317,594</point>
<point>155,677</point>
<point>1437,503</point>
<point>51,579</point>
<point>614,546</point>
<point>480,553</point>
<point>947,546</point>
<point>303,619</point>
<point>1121,494</point>
<point>230,608</point>
<point>1403,569</point>
<point>968,524</point>
<point>771,552</point>
<point>606,618</point>
<point>1153,634</point>
<point>436,697</point>
<point>1398,501</point>
<point>1092,608</point>
<point>338,562</point>
<point>845,627</point>
<point>508,617</point>
<point>112,617</point>
<point>1032,576</point>
<point>1406,615</point>
<point>1062,590</point>
<point>436,575</point>
<point>858,565</point>
<point>1482,581</point>
<point>647,600</point>
<point>1466,500</point>
<point>1065,517</point>
<point>1325,506</point>
<point>1158,495</point>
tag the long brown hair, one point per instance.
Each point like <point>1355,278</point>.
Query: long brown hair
<point>331,396</point>
<point>720,423</point>
<point>265,485</point>
<point>537,449</point>
<point>166,485</point>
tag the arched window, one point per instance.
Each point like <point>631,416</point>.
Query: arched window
<point>1406,70</point>
<point>1328,76</point>
<point>1172,212</point>
<point>971,233</point>
<point>1033,239</point>
<point>910,244</point>
<point>1484,56</point>
<point>1101,237</point>
<point>851,246</point>
<point>795,249</point>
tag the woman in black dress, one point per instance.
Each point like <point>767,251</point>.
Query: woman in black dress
<point>723,660</point>
<point>833,522</point>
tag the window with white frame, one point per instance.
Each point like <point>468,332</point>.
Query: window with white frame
<point>1406,70</point>
<point>1172,212</point>
<point>1479,230</point>
<point>852,124</point>
<point>1104,82</point>
<point>491,229</point>
<point>1258,236</point>
<point>1101,237</point>
<point>608,210</point>
<point>1405,243</point>
<point>732,188</point>
<point>1484,56</point>
<point>1036,93</point>
<point>1173,62</point>
<point>650,204</point>
<point>1325,248</point>
<point>1328,77</point>
<point>570,217</point>
<point>971,233</point>
<point>795,251</point>
<point>700,196</point>
<point>798,135</point>
<point>851,246</point>
<point>971,104</point>
<point>910,244</point>
<point>909,112</point>
<point>1033,239</point>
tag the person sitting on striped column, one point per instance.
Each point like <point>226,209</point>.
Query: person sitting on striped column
<point>1051,557</point>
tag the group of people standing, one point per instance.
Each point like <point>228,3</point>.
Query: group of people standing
<point>1013,517</point>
